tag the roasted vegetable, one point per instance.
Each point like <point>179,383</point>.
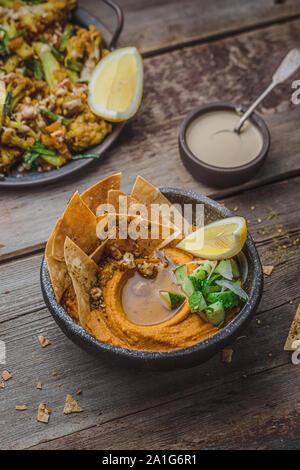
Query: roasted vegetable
<point>7,108</point>
<point>11,139</point>
<point>51,67</point>
<point>45,117</point>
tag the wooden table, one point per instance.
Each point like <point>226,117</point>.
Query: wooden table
<point>195,52</point>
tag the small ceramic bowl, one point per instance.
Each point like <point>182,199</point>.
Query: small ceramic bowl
<point>216,176</point>
<point>181,358</point>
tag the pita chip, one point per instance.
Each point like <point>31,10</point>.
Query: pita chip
<point>268,270</point>
<point>96,256</point>
<point>43,341</point>
<point>84,274</point>
<point>148,194</point>
<point>59,275</point>
<point>294,333</point>
<point>79,224</point>
<point>125,204</point>
<point>71,406</point>
<point>98,193</point>
<point>113,198</point>
<point>43,413</point>
<point>21,408</point>
<point>6,375</point>
<point>134,233</point>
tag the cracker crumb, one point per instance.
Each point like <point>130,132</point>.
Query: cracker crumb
<point>43,413</point>
<point>268,270</point>
<point>71,406</point>
<point>291,302</point>
<point>270,354</point>
<point>43,341</point>
<point>39,385</point>
<point>235,209</point>
<point>6,375</point>
<point>59,385</point>
<point>79,392</point>
<point>294,333</point>
<point>252,208</point>
<point>227,355</point>
<point>54,373</point>
<point>2,385</point>
<point>98,425</point>
<point>21,407</point>
<point>259,221</point>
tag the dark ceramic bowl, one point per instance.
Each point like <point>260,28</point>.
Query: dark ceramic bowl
<point>212,175</point>
<point>182,358</point>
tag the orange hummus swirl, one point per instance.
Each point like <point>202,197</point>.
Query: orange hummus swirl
<point>112,326</point>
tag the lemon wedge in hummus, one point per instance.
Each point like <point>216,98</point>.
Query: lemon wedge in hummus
<point>116,85</point>
<point>2,95</point>
<point>219,240</point>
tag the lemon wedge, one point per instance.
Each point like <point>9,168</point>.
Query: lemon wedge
<point>116,86</point>
<point>219,240</point>
<point>2,95</point>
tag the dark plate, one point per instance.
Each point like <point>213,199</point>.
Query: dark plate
<point>181,358</point>
<point>33,177</point>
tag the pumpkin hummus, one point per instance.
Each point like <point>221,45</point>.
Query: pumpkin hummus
<point>128,292</point>
<point>109,323</point>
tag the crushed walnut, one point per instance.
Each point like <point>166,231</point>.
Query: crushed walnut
<point>148,270</point>
<point>96,293</point>
<point>115,252</point>
<point>128,261</point>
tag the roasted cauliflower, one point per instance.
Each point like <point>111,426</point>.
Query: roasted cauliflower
<point>45,66</point>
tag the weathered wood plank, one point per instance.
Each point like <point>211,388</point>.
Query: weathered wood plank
<point>110,393</point>
<point>155,25</point>
<point>260,412</point>
<point>175,83</point>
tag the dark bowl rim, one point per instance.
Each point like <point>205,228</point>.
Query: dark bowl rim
<point>226,333</point>
<point>220,105</point>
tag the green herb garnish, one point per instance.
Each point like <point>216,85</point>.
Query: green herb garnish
<point>33,68</point>
<point>89,155</point>
<point>7,108</point>
<point>73,65</point>
<point>53,116</point>
<point>36,150</point>
<point>68,33</point>
<point>4,49</point>
<point>54,51</point>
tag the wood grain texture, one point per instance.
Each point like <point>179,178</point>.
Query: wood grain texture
<point>154,26</point>
<point>212,396</point>
<point>174,84</point>
<point>237,415</point>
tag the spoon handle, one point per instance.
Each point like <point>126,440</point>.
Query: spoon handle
<point>288,66</point>
<point>253,106</point>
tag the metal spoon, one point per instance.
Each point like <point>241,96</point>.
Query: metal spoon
<point>288,66</point>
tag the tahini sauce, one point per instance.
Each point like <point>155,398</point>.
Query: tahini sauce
<point>211,138</point>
